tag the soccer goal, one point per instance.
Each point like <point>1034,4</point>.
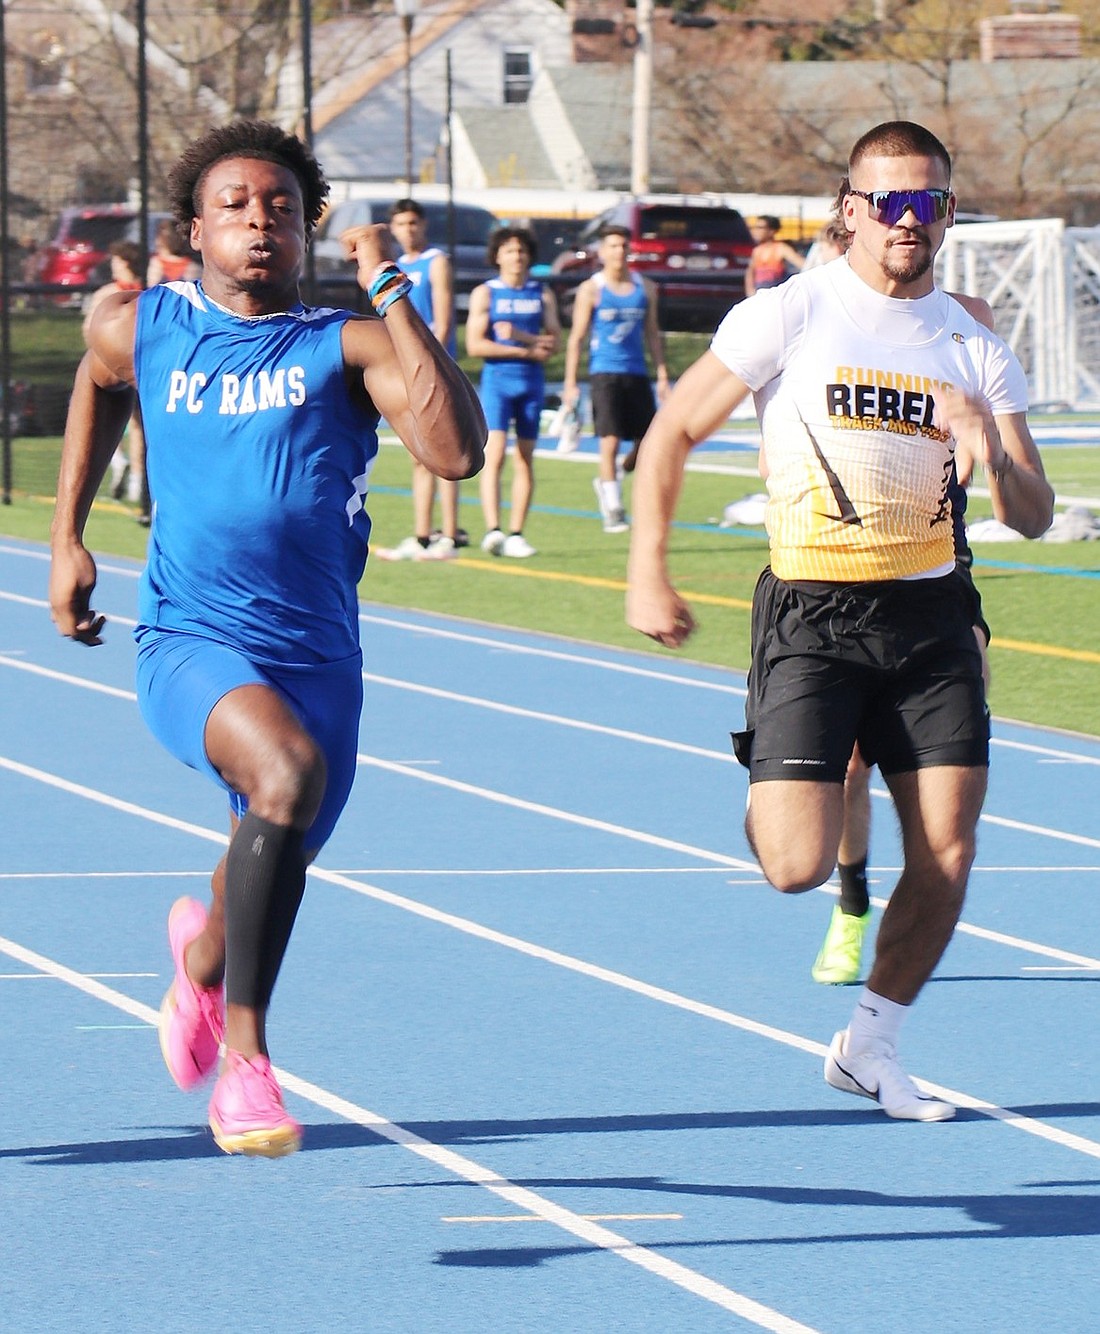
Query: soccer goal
<point>1042,279</point>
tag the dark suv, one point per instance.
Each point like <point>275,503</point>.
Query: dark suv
<point>473,226</point>
<point>696,253</point>
<point>78,247</point>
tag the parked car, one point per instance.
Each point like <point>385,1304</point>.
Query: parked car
<point>78,246</point>
<point>473,227</point>
<point>696,252</point>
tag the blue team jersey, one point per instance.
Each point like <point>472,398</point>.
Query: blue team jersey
<point>521,306</point>
<point>617,342</point>
<point>258,463</point>
<point>419,273</point>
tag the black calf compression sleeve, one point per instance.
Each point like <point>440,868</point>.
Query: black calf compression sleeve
<point>265,877</point>
<point>854,896</point>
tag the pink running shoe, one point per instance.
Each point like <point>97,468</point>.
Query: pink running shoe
<point>246,1110</point>
<point>192,1018</point>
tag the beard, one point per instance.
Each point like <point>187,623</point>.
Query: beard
<point>908,265</point>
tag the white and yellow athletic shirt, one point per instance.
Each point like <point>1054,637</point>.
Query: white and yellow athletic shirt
<point>845,381</point>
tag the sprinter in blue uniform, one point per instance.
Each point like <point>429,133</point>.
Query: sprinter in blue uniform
<point>429,270</point>
<point>513,324</point>
<point>261,418</point>
<point>619,309</point>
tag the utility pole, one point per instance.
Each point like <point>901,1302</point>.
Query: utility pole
<point>643,96</point>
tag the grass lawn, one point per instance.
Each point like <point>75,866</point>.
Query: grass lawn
<point>1042,599</point>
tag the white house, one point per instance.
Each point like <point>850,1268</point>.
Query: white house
<point>497,49</point>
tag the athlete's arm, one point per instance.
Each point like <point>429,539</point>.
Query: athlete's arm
<point>441,278</point>
<point>99,408</point>
<point>1021,495</point>
<point>583,305</point>
<point>409,376</point>
<point>655,341</point>
<point>702,401</point>
<point>550,338</point>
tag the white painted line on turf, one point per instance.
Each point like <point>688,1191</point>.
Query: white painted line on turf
<point>538,715</point>
<point>555,957</point>
<point>1057,968</point>
<point>534,1218</point>
<point>555,813</point>
<point>43,555</point>
<point>105,875</point>
<point>1014,942</point>
<point>556,655</point>
<point>467,1169</point>
<point>653,840</point>
<point>66,678</point>
<point>21,977</point>
<point>115,803</point>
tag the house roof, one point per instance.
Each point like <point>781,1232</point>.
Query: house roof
<point>508,146</point>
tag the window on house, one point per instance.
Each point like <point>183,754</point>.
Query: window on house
<point>518,74</point>
<point>45,63</point>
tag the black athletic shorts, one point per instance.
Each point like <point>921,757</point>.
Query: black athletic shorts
<point>893,665</point>
<point>963,568</point>
<point>622,405</point>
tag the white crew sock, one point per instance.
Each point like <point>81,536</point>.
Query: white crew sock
<point>611,496</point>
<point>876,1021</point>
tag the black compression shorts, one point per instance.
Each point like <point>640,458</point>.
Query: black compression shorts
<point>892,665</point>
<point>622,405</point>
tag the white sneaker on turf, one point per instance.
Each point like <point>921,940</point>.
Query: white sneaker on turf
<point>876,1074</point>
<point>439,548</point>
<point>517,546</point>
<point>616,522</point>
<point>492,541</point>
<point>407,549</point>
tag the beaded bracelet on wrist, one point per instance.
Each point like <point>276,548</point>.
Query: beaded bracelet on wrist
<point>388,284</point>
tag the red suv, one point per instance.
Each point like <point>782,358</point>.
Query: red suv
<point>696,253</point>
<point>79,246</point>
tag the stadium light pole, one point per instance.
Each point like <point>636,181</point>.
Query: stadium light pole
<point>407,11</point>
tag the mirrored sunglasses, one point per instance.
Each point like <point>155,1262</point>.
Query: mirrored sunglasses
<point>890,206</point>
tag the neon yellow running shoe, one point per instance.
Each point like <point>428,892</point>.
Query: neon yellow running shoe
<point>838,960</point>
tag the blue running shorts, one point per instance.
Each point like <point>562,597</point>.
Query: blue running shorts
<point>180,677</point>
<point>524,406</point>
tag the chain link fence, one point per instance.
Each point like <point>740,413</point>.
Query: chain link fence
<point>45,348</point>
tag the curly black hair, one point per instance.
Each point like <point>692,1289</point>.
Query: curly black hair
<point>524,235</point>
<point>250,139</point>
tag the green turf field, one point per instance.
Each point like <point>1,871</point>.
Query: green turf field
<point>1042,599</point>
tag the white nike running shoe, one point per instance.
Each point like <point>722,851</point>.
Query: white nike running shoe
<point>876,1074</point>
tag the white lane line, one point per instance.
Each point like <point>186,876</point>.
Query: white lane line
<point>20,977</point>
<point>66,678</point>
<point>581,966</point>
<point>552,812</point>
<point>704,854</point>
<point>1049,752</point>
<point>533,1218</point>
<point>537,715</point>
<point>555,813</point>
<point>556,655</point>
<point>519,1197</point>
<point>1069,756</point>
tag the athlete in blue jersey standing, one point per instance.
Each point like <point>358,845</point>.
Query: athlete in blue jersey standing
<point>513,324</point>
<point>261,418</point>
<point>620,310</point>
<point>429,270</point>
